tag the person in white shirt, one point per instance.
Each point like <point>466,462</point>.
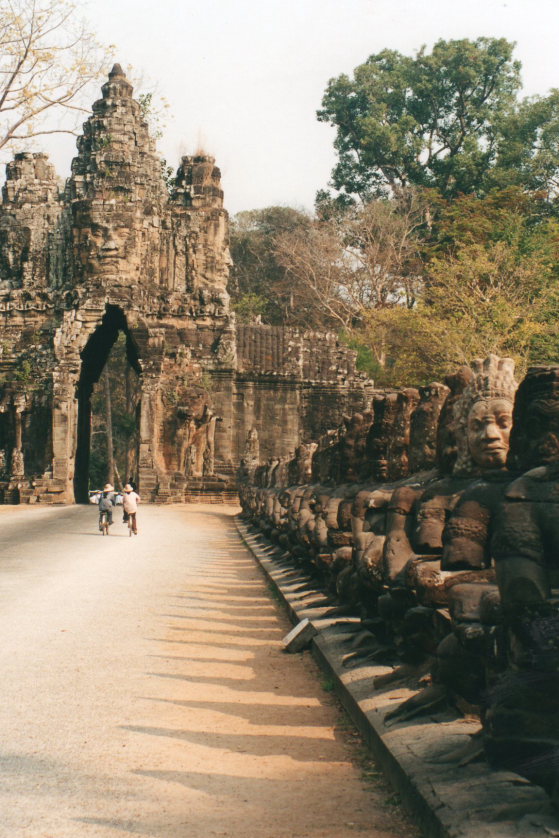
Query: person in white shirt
<point>130,502</point>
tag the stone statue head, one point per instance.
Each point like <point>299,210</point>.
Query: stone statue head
<point>385,407</point>
<point>280,474</point>
<point>252,448</point>
<point>399,443</point>
<point>447,449</point>
<point>352,444</point>
<point>301,465</point>
<point>326,457</point>
<point>423,428</point>
<point>483,416</point>
<point>535,437</point>
<point>106,240</point>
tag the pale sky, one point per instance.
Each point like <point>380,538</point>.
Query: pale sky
<point>244,78</point>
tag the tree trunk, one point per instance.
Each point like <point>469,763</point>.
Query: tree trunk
<point>130,410</point>
<point>109,427</point>
<point>119,483</point>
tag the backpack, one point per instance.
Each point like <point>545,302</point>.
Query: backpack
<point>105,504</point>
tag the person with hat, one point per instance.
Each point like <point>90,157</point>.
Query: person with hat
<point>130,505</point>
<point>106,503</point>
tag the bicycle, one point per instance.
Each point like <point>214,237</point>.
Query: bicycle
<point>104,523</point>
<point>132,524</point>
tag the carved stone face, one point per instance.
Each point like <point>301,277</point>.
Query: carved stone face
<point>380,468</point>
<point>488,432</point>
<point>380,434</point>
<point>535,433</point>
<point>423,428</point>
<point>103,241</point>
<point>399,441</point>
<point>115,240</point>
<point>110,241</point>
<point>353,443</point>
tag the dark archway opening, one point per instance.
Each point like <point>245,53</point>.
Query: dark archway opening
<point>111,348</point>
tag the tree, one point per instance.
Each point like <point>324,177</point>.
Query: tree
<point>257,278</point>
<point>48,59</point>
<point>528,151</point>
<point>383,239</point>
<point>114,405</point>
<point>352,261</point>
<point>435,120</point>
<point>316,287</point>
<point>325,272</point>
<point>109,428</point>
<point>500,296</point>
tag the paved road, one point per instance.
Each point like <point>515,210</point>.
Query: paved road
<point>144,692</point>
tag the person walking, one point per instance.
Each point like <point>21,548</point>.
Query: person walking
<point>130,504</point>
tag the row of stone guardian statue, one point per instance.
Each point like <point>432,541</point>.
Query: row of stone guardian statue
<point>435,516</point>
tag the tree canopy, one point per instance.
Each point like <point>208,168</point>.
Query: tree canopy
<point>441,240</point>
<point>490,283</point>
<point>258,281</point>
<point>324,273</point>
<point>449,120</point>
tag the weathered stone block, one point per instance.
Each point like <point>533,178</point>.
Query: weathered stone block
<point>300,637</point>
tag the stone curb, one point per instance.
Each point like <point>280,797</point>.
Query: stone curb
<point>446,799</point>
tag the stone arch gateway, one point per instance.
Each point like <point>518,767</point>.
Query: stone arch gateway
<point>119,250</point>
<point>94,357</point>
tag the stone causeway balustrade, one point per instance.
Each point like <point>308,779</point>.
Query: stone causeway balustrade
<point>434,517</point>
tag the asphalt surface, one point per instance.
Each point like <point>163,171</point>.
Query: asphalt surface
<point>144,691</point>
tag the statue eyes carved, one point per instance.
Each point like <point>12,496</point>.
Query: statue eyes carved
<point>488,432</point>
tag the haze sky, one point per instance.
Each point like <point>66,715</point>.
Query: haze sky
<point>244,78</point>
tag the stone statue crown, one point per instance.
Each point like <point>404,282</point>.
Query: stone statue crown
<point>493,378</point>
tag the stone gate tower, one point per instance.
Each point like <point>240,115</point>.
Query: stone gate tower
<point>117,251</point>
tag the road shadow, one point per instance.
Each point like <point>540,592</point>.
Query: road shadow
<point>260,743</point>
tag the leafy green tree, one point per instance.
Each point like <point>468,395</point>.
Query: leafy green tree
<point>434,120</point>
<point>513,215</point>
<point>528,151</point>
<point>496,296</point>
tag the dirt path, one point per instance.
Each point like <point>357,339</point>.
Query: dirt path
<point>145,692</point>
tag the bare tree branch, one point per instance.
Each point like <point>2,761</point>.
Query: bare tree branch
<point>48,58</point>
